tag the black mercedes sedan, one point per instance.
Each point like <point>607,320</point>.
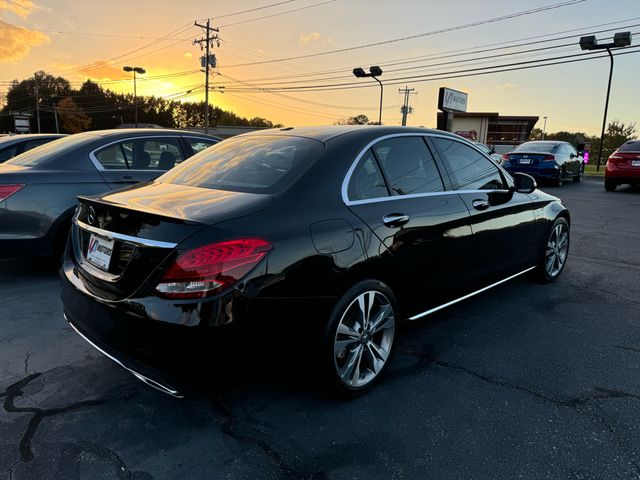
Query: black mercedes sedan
<point>39,188</point>
<point>343,231</point>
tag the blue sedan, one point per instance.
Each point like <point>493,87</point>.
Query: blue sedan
<point>550,161</point>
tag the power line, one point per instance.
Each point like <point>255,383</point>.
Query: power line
<point>463,51</point>
<point>255,9</point>
<point>421,35</point>
<point>277,14</point>
<point>447,75</point>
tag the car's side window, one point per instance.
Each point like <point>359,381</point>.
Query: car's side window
<point>366,181</point>
<point>199,144</point>
<point>469,170</point>
<point>154,153</point>
<point>408,166</point>
<point>112,157</point>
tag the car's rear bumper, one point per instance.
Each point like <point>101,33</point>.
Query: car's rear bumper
<point>175,356</point>
<point>622,175</point>
<point>537,173</point>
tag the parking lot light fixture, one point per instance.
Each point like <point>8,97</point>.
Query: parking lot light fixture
<point>135,70</point>
<point>590,42</point>
<point>374,72</point>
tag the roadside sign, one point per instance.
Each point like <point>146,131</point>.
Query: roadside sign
<point>450,100</point>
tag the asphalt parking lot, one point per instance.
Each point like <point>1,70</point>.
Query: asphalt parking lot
<point>526,381</point>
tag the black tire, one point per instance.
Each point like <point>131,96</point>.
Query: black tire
<point>558,181</point>
<point>357,351</point>
<point>578,177</point>
<point>543,271</point>
<point>609,186</point>
<point>60,243</point>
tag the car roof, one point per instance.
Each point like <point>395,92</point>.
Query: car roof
<point>145,131</point>
<point>326,133</point>
<point>29,136</point>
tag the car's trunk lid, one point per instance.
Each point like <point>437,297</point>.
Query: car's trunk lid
<point>626,160</point>
<point>140,227</point>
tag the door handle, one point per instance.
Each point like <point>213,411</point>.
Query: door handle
<point>480,204</point>
<point>395,219</point>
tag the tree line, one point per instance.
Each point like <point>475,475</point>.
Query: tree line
<point>92,107</point>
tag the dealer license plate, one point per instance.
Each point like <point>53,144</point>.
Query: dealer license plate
<point>635,163</point>
<point>100,251</point>
<point>525,161</point>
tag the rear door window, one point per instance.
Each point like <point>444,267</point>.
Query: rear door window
<point>141,154</point>
<point>36,143</point>
<point>8,152</point>
<point>468,168</point>
<point>408,166</point>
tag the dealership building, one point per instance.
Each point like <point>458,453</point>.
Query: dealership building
<point>499,131</point>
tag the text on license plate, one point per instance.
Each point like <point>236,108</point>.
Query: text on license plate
<point>525,161</point>
<point>99,251</point>
<point>635,163</point>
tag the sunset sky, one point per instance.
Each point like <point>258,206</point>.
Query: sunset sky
<point>95,39</point>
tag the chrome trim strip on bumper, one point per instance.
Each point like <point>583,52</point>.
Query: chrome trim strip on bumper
<point>144,242</point>
<point>138,375</point>
<point>452,302</point>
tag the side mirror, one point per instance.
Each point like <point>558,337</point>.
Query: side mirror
<point>524,183</point>
<point>573,155</point>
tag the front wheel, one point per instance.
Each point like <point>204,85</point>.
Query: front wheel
<point>360,337</point>
<point>560,179</point>
<point>556,251</point>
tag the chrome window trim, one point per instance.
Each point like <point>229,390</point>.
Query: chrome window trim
<point>469,295</point>
<point>100,168</point>
<point>354,164</point>
<point>152,383</point>
<point>138,241</point>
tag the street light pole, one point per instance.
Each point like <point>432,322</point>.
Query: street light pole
<point>589,42</point>
<point>544,128</point>
<point>374,72</point>
<point>606,109</point>
<point>135,94</point>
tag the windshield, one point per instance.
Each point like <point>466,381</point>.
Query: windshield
<point>44,153</point>
<point>537,147</point>
<point>253,164</point>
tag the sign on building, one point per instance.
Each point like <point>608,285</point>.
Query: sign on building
<point>450,100</point>
<point>21,124</point>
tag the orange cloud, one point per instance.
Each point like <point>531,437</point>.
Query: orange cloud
<point>22,8</point>
<point>17,42</point>
<point>103,70</point>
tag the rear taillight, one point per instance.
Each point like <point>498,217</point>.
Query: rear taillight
<point>7,190</point>
<point>211,269</point>
<point>548,157</point>
<point>505,157</point>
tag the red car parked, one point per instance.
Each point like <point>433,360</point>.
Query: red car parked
<point>623,166</point>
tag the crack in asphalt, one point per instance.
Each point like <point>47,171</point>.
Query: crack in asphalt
<point>231,428</point>
<point>15,391</point>
<point>584,400</point>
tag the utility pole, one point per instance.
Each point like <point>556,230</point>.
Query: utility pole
<point>406,109</point>
<point>207,41</point>
<point>37,104</point>
<point>55,112</point>
<point>544,128</point>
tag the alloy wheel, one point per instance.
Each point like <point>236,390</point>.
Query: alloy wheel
<point>557,250</point>
<point>364,339</point>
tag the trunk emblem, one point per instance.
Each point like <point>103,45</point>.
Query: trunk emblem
<point>91,216</point>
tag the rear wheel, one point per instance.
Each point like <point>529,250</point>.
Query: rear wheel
<point>360,337</point>
<point>556,251</point>
<point>560,179</point>
<point>609,186</point>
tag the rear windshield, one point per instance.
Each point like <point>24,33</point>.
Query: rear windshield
<point>537,147</point>
<point>253,164</point>
<point>632,146</point>
<point>44,153</point>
